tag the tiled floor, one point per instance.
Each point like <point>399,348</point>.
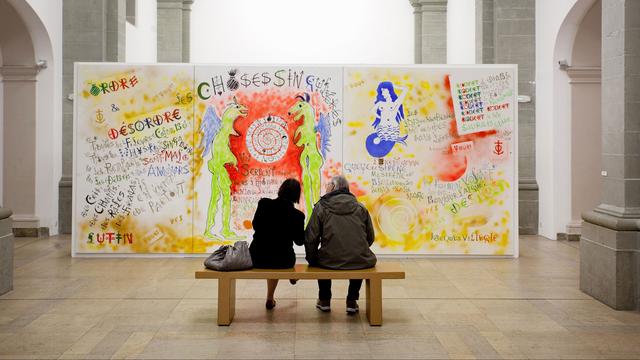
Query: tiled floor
<point>446,308</point>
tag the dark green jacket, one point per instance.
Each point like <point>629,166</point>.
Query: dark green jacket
<point>341,227</point>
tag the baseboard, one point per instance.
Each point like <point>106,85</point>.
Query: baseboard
<point>31,232</point>
<point>568,237</point>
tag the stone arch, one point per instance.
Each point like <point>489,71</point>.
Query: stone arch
<point>27,107</point>
<point>563,135</point>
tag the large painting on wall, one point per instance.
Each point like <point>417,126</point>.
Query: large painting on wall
<point>431,155</point>
<point>257,127</point>
<point>133,156</point>
<point>172,159</point>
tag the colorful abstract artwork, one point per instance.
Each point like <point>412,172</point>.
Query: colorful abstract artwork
<point>431,188</point>
<point>133,156</point>
<point>260,126</point>
<point>172,159</point>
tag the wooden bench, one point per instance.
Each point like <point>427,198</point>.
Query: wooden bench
<point>373,278</point>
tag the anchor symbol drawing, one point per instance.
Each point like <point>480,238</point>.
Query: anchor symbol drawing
<point>498,149</point>
<point>99,116</point>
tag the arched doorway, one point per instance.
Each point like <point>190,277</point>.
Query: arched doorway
<point>586,125</point>
<point>28,107</point>
<point>576,130</point>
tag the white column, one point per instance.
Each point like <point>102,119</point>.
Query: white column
<point>19,145</point>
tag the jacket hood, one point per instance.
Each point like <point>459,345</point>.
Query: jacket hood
<point>340,202</point>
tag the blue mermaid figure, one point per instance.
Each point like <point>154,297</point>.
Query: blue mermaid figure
<point>389,112</point>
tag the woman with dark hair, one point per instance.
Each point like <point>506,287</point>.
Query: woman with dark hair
<point>277,225</point>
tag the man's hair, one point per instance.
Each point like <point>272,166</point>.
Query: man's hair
<point>290,190</point>
<point>340,183</point>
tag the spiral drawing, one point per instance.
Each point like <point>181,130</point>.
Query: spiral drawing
<point>396,217</point>
<point>267,139</point>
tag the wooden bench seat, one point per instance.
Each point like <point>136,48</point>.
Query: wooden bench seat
<point>373,279</point>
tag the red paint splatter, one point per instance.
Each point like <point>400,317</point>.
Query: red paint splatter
<point>451,167</point>
<point>262,104</point>
<point>356,190</point>
<point>447,83</point>
<point>331,169</point>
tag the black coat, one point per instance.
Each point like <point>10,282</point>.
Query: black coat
<point>277,225</point>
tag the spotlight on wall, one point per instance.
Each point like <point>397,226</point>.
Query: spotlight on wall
<point>563,64</point>
<point>41,64</point>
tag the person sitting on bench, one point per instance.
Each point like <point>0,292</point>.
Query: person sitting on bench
<point>342,228</point>
<point>277,225</point>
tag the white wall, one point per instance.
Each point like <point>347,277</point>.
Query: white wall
<point>141,38</point>
<point>556,26</point>
<point>302,31</point>
<point>547,71</point>
<point>461,32</point>
<point>586,142</point>
<point>44,20</point>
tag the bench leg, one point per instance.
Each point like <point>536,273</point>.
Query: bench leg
<point>226,301</point>
<point>374,302</point>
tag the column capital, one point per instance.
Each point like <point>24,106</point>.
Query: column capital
<point>528,184</point>
<point>429,5</point>
<point>169,4</point>
<point>19,72</point>
<point>66,181</point>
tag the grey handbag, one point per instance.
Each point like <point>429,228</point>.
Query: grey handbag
<point>230,257</point>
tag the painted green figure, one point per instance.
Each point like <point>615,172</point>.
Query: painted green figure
<point>310,159</point>
<point>216,139</point>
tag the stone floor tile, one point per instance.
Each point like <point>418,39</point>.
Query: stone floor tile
<point>530,307</point>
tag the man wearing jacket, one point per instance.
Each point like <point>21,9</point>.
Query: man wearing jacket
<point>338,236</point>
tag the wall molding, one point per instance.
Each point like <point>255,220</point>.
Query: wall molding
<point>66,181</point>
<point>19,73</point>
<point>527,184</point>
<point>170,4</point>
<point>584,74</point>
<point>25,221</point>
<point>420,6</point>
<point>595,243</point>
<point>612,219</point>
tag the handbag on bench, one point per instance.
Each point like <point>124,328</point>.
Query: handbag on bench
<point>230,257</point>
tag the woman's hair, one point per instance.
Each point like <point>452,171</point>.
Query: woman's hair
<point>379,97</point>
<point>290,190</point>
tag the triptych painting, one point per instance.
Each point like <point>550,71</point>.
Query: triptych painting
<point>172,159</point>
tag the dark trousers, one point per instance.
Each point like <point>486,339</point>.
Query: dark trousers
<point>324,287</point>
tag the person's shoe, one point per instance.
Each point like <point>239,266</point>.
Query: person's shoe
<point>293,281</point>
<point>270,304</point>
<point>324,305</point>
<point>352,307</point>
